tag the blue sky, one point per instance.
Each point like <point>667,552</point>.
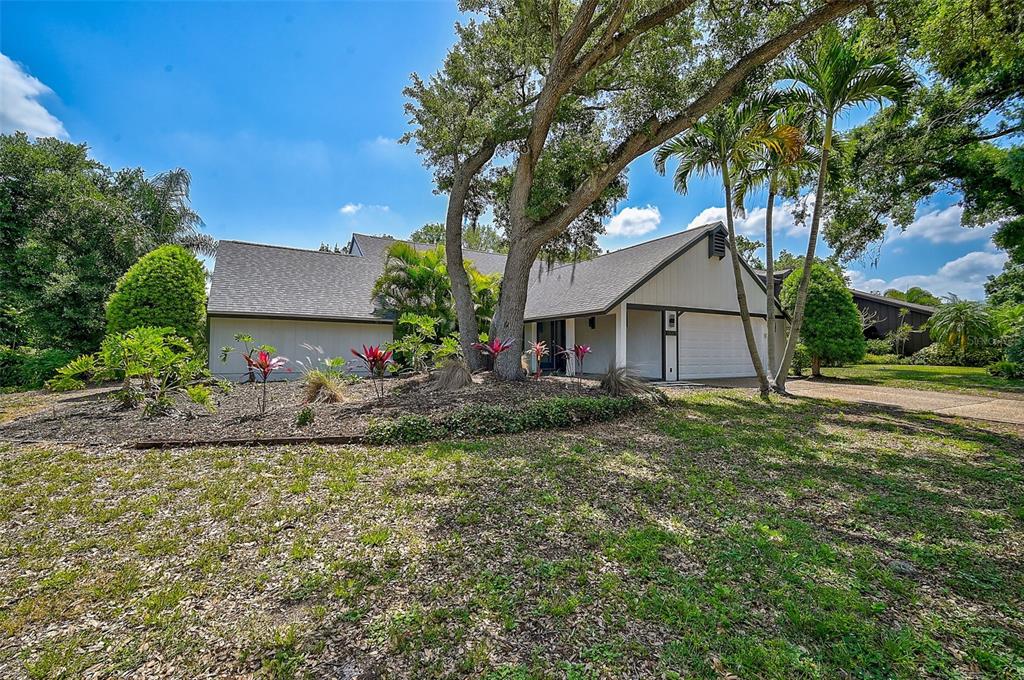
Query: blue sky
<point>287,115</point>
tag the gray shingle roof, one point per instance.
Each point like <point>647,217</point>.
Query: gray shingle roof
<point>376,246</point>
<point>895,302</point>
<point>594,286</point>
<point>261,280</point>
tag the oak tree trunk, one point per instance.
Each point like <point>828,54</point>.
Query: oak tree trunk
<point>462,294</point>
<point>508,317</point>
<point>805,279</point>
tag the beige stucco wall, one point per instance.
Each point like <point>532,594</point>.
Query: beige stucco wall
<point>336,338</point>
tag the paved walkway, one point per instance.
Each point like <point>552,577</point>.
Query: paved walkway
<point>945,403</point>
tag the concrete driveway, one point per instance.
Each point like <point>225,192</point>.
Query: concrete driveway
<point>945,403</point>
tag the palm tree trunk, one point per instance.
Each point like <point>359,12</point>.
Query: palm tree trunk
<point>769,268</point>
<point>741,291</point>
<point>805,278</point>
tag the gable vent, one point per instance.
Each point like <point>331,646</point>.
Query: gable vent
<point>716,243</point>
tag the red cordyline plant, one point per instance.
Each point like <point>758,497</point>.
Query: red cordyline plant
<point>262,365</point>
<point>492,348</point>
<point>376,360</point>
<point>576,355</point>
<point>539,350</point>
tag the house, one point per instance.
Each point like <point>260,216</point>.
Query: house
<point>666,308</point>
<point>881,314</point>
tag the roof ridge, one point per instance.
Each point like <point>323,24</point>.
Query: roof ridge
<point>278,247</point>
<point>892,299</point>
<point>635,245</point>
<point>405,240</point>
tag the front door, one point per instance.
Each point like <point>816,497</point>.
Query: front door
<point>552,333</point>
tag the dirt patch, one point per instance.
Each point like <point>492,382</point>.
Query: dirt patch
<point>91,417</point>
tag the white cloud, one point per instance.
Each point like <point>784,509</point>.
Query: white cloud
<point>634,221</point>
<point>943,226</point>
<point>19,108</point>
<point>752,224</point>
<point>353,208</point>
<point>964,276</point>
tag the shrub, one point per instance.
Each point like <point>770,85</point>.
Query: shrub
<point>453,375</point>
<point>801,359</point>
<point>832,324</point>
<point>1015,350</point>
<point>939,354</point>
<point>165,288</point>
<point>881,359</point>
<point>28,368</point>
<point>493,348</point>
<point>304,417</point>
<point>1006,369</point>
<point>151,363</point>
<point>878,346</point>
<point>489,420</point>
<point>620,381</point>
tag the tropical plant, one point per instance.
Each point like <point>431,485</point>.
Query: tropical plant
<point>413,346</point>
<point>249,348</point>
<point>263,364</point>
<point>575,357</point>
<point>899,337</point>
<point>831,332</point>
<point>493,348</point>
<point>728,141</point>
<point>538,350</point>
<point>304,417</point>
<point>151,363</point>
<point>166,287</point>
<point>1006,369</point>
<point>961,324</point>
<point>834,76</point>
<point>376,361</point>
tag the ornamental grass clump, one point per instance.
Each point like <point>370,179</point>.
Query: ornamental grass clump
<point>620,381</point>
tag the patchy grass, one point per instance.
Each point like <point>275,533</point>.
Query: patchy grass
<point>717,536</point>
<point>962,379</point>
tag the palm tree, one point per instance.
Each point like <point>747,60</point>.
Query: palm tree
<point>836,76</point>
<point>782,172</point>
<point>726,141</point>
<point>169,215</point>
<point>960,324</point>
<point>416,281</point>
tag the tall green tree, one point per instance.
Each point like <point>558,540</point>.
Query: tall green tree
<point>832,330</point>
<point>914,294</point>
<point>829,79</point>
<point>625,76</point>
<point>480,237</point>
<point>1006,287</point>
<point>70,227</point>
<point>726,142</point>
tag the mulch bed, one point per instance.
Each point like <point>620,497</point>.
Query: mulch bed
<point>98,419</point>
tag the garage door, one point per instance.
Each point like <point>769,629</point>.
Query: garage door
<point>713,346</point>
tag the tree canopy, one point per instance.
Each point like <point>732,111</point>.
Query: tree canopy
<point>70,227</point>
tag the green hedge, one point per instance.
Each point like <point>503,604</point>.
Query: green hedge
<point>29,368</point>
<point>470,421</point>
<point>166,287</point>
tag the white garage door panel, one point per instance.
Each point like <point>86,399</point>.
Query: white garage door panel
<point>713,346</point>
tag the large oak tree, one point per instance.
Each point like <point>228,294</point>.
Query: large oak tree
<point>527,81</point>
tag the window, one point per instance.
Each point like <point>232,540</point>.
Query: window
<point>592,322</point>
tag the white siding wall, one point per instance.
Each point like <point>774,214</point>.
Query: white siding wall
<point>643,342</point>
<point>601,339</point>
<point>696,280</point>
<point>335,338</point>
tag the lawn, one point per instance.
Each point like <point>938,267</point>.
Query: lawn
<point>718,537</point>
<point>963,379</point>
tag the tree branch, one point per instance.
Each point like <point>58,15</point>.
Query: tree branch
<point>655,132</point>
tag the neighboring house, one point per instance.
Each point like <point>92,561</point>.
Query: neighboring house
<point>666,308</point>
<point>888,313</point>
<point>883,313</point>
